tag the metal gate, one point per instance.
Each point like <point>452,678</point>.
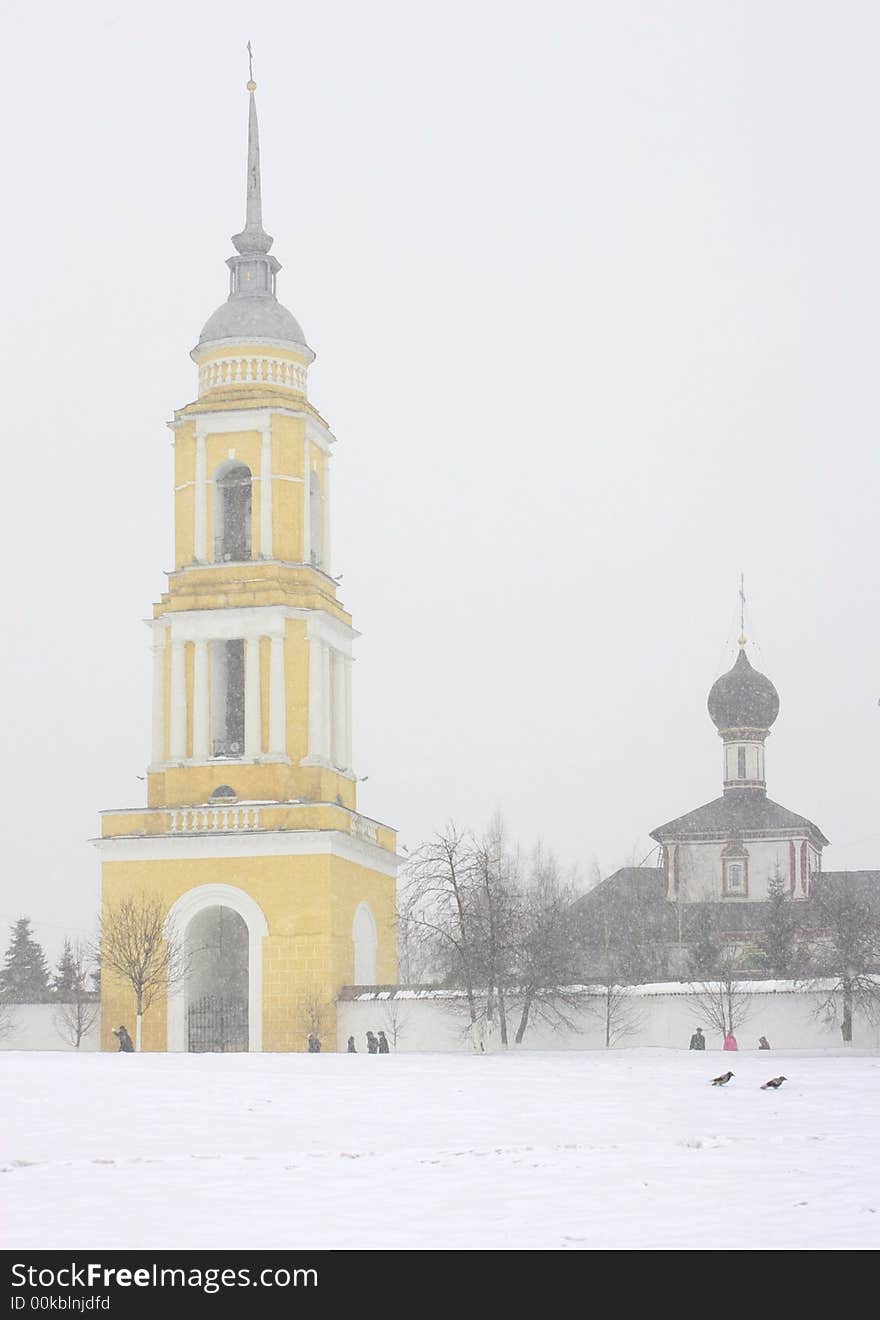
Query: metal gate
<point>217,1025</point>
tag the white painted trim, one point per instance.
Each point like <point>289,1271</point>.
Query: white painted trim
<point>316,429</point>
<point>348,758</point>
<point>249,843</point>
<point>215,345</point>
<point>253,740</point>
<point>339,730</point>
<point>230,622</point>
<point>158,740</point>
<point>201,706</point>
<point>325,520</point>
<point>327,710</point>
<point>307,503</point>
<point>277,696</point>
<point>266,491</point>
<point>269,758</point>
<point>177,732</point>
<point>180,915</point>
<point>366,944</point>
<point>200,500</point>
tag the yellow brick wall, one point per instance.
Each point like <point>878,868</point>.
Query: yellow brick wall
<point>309,905</point>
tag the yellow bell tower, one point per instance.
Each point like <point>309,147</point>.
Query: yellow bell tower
<point>279,889</point>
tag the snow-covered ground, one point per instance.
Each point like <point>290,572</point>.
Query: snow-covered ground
<point>627,1149</point>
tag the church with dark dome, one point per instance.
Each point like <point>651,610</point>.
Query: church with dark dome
<point>717,862</point>
<point>731,847</point>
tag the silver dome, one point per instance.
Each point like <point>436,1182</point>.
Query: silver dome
<point>255,317</point>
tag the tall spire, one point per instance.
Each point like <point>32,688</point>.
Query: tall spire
<point>253,239</point>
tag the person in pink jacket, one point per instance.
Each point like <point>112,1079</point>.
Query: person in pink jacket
<point>730,1042</point>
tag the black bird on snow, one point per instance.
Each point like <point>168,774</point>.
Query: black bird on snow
<point>774,1084</point>
<point>722,1080</point>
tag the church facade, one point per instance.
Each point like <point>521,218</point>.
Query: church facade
<point>729,849</point>
<point>279,889</point>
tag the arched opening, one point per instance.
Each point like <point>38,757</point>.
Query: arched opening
<point>227,698</point>
<point>232,513</point>
<point>226,955</point>
<point>216,990</point>
<point>363,934</point>
<point>316,521</point>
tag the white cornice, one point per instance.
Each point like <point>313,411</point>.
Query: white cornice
<point>316,430</point>
<point>249,843</point>
<point>256,341</point>
<point>233,621</point>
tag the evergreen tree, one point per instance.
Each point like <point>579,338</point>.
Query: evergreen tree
<point>25,975</point>
<point>779,941</point>
<point>704,953</point>
<point>66,981</point>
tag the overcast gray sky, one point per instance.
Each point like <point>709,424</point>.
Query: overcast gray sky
<point>593,289</point>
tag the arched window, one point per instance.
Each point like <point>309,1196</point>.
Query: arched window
<point>316,521</point>
<point>232,513</point>
<point>363,934</point>
<point>735,871</point>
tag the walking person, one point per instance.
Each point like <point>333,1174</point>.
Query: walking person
<point>383,1043</point>
<point>372,1043</point>
<point>730,1042</point>
<point>352,1048</point>
<point>698,1040</point>
<point>314,1043</point>
<point>763,1043</point>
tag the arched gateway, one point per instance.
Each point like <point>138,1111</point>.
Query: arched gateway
<point>219,1005</point>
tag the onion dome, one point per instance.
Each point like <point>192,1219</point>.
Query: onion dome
<point>742,698</point>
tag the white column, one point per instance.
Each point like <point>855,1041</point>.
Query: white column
<point>325,517</point>
<point>327,684</point>
<point>158,748</point>
<point>316,704</point>
<point>338,753</point>
<point>266,493</point>
<point>200,499</point>
<point>307,505</point>
<point>177,738</point>
<point>201,705</point>
<point>347,761</point>
<point>252,730</point>
<point>277,697</point>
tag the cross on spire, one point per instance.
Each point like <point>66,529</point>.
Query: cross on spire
<point>742,610</point>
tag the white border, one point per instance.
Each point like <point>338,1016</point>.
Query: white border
<point>249,843</point>
<point>180,915</point>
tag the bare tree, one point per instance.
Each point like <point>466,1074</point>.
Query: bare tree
<point>548,950</point>
<point>724,1003</point>
<point>621,1013</point>
<point>497,903</point>
<point>314,1011</point>
<point>77,1013</point>
<point>439,900</point>
<point>137,945</point>
<point>847,957</point>
<point>394,1019</point>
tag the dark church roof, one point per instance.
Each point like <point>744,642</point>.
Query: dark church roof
<point>740,811</point>
<point>742,698</point>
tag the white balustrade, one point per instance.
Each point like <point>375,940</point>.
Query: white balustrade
<point>364,829</point>
<point>203,820</point>
<point>278,372</point>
